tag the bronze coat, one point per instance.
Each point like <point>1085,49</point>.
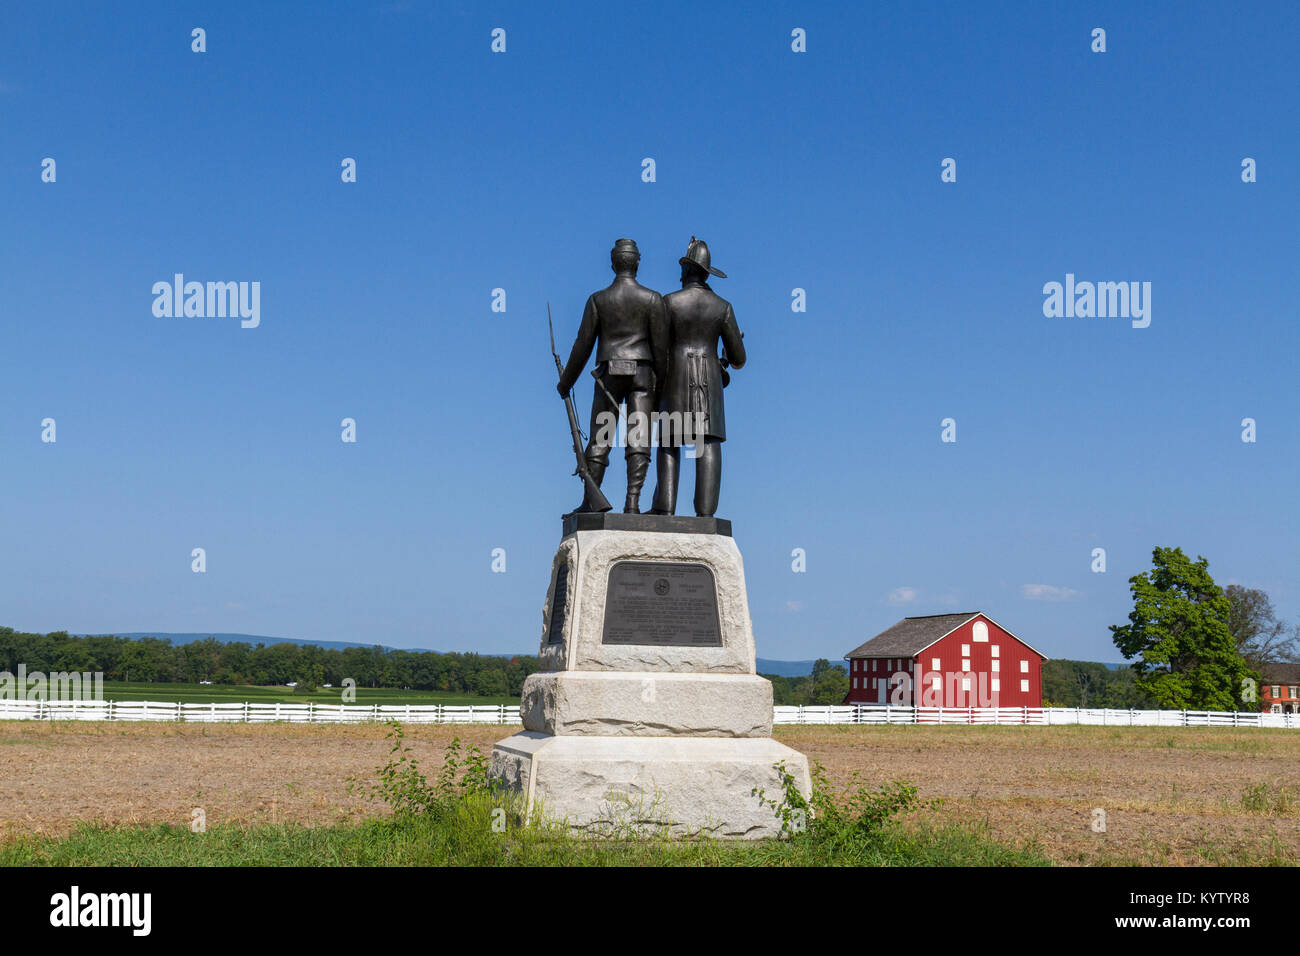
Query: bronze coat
<point>697,319</point>
<point>628,321</point>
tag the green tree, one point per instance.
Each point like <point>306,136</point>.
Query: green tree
<point>1089,684</point>
<point>1261,637</point>
<point>1183,652</point>
<point>829,683</point>
<point>782,690</point>
<point>313,676</point>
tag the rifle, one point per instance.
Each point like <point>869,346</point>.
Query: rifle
<point>598,501</point>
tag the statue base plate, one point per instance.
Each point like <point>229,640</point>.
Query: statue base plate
<point>616,521</point>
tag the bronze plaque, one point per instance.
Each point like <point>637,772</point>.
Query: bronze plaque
<point>559,600</point>
<point>662,603</point>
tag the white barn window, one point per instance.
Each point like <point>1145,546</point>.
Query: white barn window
<point>980,632</point>
<point>994,649</point>
<point>1024,667</point>
<point>1024,686</point>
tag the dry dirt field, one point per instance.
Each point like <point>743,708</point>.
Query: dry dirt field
<point>1171,795</point>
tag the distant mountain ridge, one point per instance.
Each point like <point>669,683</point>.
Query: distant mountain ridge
<point>765,665</point>
<point>259,639</point>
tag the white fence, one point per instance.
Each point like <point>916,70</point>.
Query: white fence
<point>312,713</point>
<point>247,713</point>
<point>877,714</point>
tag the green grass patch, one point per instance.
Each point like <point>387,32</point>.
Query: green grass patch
<point>466,837</point>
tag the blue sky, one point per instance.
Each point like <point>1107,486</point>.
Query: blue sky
<point>475,171</point>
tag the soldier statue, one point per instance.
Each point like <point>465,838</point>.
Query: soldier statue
<point>627,325</point>
<point>691,400</point>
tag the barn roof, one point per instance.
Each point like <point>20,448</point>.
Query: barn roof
<point>912,635</point>
<point>1280,673</point>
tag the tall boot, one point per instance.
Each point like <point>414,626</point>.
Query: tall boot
<point>708,476</point>
<point>637,465</point>
<point>597,471</point>
<point>665,502</point>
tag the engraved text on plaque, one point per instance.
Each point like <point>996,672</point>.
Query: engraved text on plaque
<point>663,603</point>
<point>558,602</point>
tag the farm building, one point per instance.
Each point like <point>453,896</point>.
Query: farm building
<point>1278,693</point>
<point>946,660</point>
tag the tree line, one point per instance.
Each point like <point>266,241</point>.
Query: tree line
<point>1192,645</point>
<point>1196,646</point>
<point>1089,684</point>
<point>827,684</point>
<point>158,660</point>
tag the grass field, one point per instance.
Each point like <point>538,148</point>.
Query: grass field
<point>234,694</point>
<point>1005,795</point>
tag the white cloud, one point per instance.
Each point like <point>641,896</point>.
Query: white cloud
<point>1048,592</point>
<point>903,595</point>
<point>795,606</point>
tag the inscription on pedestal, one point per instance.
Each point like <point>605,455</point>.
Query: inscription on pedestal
<point>661,603</point>
<point>559,600</point>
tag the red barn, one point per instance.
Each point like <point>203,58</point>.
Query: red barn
<point>1278,693</point>
<point>946,660</point>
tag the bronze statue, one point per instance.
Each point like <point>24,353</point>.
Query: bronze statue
<point>691,408</point>
<point>627,325</point>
